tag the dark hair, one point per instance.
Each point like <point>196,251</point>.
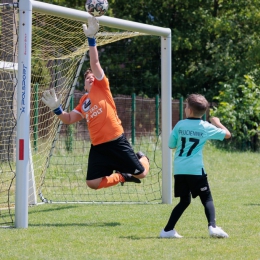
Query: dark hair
<point>87,72</point>
<point>198,104</point>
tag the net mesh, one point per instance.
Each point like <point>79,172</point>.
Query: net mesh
<point>59,152</point>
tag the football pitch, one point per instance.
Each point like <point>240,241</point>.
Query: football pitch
<point>131,231</point>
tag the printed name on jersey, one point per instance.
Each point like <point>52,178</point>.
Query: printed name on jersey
<point>191,133</point>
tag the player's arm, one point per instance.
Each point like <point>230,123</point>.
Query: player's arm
<point>172,143</point>
<point>90,32</point>
<point>216,122</point>
<point>69,118</point>
<point>50,99</point>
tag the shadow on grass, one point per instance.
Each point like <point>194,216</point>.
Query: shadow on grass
<point>35,210</point>
<point>252,204</point>
<point>58,208</point>
<point>99,224</point>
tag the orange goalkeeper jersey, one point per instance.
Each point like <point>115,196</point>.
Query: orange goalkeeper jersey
<point>99,110</point>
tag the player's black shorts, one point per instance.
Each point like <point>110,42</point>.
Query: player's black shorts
<point>117,155</point>
<point>194,184</point>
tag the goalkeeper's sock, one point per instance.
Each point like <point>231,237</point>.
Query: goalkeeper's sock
<point>111,180</point>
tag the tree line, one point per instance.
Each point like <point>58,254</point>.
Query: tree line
<point>215,52</point>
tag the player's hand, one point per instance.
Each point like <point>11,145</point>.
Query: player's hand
<point>50,99</point>
<point>93,27</point>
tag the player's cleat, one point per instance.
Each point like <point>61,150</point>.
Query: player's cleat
<point>217,232</point>
<point>129,178</point>
<point>170,234</point>
<point>140,155</point>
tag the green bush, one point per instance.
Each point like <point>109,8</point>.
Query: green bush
<point>238,107</point>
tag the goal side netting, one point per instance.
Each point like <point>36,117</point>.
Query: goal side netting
<point>49,160</point>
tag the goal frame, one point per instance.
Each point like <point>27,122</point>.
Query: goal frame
<point>26,7</point>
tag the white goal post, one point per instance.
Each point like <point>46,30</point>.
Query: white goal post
<point>23,95</point>
<point>32,197</point>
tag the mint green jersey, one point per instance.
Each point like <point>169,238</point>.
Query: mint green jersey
<point>189,137</point>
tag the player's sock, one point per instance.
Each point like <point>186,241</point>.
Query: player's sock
<point>111,180</point>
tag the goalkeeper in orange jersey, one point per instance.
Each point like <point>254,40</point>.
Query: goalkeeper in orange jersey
<point>111,160</point>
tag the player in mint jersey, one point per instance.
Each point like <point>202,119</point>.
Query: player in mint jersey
<point>189,137</point>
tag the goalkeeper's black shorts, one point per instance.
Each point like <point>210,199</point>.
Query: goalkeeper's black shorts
<point>117,155</point>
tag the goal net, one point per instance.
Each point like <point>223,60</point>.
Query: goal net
<point>58,153</point>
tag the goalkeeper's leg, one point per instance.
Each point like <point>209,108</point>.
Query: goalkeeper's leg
<point>146,164</point>
<point>106,181</point>
<point>111,180</point>
<point>117,155</point>
<point>118,177</point>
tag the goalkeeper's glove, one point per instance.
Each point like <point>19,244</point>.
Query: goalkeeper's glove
<point>91,30</point>
<point>50,99</point>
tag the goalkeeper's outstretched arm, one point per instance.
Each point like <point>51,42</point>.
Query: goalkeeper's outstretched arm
<point>50,99</point>
<point>90,32</point>
<point>49,96</point>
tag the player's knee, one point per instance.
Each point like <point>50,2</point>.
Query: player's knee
<point>141,175</point>
<point>205,197</point>
<point>146,166</point>
<point>185,201</point>
<point>92,184</point>
<point>145,162</point>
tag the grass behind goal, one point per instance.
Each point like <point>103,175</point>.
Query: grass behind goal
<point>77,231</point>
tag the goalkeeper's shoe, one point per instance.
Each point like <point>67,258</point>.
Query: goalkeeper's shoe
<point>170,234</point>
<point>217,232</point>
<point>140,155</point>
<point>129,178</point>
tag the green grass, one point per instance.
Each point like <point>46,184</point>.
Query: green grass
<point>79,231</point>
